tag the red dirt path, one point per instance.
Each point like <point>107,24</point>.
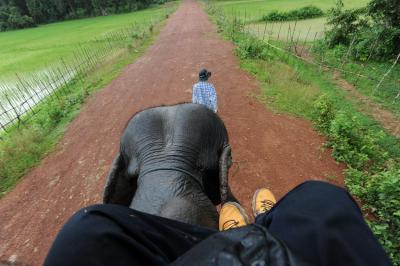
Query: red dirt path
<point>277,151</point>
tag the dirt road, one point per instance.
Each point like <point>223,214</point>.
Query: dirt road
<point>270,150</point>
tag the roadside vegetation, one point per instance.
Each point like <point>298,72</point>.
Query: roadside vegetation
<point>291,85</point>
<point>367,41</point>
<point>280,16</point>
<point>26,143</point>
<point>387,94</point>
<point>295,14</point>
<point>376,24</point>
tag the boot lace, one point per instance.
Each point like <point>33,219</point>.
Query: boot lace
<point>266,205</point>
<point>230,224</point>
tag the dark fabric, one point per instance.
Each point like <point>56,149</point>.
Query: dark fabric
<point>319,223</point>
<point>323,225</point>
<point>249,245</point>
<point>116,235</point>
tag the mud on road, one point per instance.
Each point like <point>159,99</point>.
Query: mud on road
<point>271,150</point>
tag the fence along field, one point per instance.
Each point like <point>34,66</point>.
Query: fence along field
<point>25,92</point>
<point>383,79</point>
<point>379,82</point>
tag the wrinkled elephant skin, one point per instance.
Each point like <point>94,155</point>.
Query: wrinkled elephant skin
<point>168,164</point>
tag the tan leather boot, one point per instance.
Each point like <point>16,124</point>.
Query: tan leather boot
<point>232,215</point>
<point>263,201</point>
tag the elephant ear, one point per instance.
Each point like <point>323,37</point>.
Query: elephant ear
<point>217,188</point>
<point>225,162</point>
<point>121,182</point>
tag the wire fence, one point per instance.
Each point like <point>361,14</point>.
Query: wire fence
<point>302,48</point>
<point>24,94</point>
<point>300,39</point>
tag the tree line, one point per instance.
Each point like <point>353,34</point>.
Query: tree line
<point>17,14</point>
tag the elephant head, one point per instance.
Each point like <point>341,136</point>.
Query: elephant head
<point>173,162</point>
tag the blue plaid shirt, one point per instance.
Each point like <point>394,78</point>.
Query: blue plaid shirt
<point>204,93</point>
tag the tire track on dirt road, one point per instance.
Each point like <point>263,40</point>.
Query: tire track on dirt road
<point>277,151</point>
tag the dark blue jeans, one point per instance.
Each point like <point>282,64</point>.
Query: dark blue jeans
<point>318,222</point>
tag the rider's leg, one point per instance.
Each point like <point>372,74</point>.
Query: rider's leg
<point>323,224</point>
<point>116,235</point>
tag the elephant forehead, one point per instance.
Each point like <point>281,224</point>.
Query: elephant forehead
<point>175,126</point>
<point>169,148</point>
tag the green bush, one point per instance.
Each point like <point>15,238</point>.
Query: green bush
<point>387,11</point>
<point>372,175</point>
<point>354,142</point>
<point>378,42</point>
<point>250,48</point>
<point>306,12</point>
<point>324,113</point>
<point>58,112</point>
<point>379,193</point>
<point>297,14</point>
<point>276,16</point>
<point>11,18</point>
<point>345,24</point>
<point>372,32</point>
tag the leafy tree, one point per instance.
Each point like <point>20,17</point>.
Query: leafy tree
<point>11,17</point>
<point>15,14</point>
<point>18,21</point>
<point>386,14</point>
<point>345,24</point>
<point>373,31</point>
<point>99,7</point>
<point>387,11</point>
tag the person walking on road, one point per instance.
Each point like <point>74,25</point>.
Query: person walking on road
<point>204,92</point>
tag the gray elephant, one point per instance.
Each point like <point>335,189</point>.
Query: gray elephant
<point>173,162</point>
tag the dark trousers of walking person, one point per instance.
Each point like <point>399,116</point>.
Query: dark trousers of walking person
<point>318,222</point>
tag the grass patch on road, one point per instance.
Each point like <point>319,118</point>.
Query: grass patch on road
<point>31,50</point>
<point>24,145</point>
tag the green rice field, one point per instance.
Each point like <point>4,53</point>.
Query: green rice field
<point>32,50</point>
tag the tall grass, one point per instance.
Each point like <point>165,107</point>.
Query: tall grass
<point>284,90</point>
<point>388,90</point>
